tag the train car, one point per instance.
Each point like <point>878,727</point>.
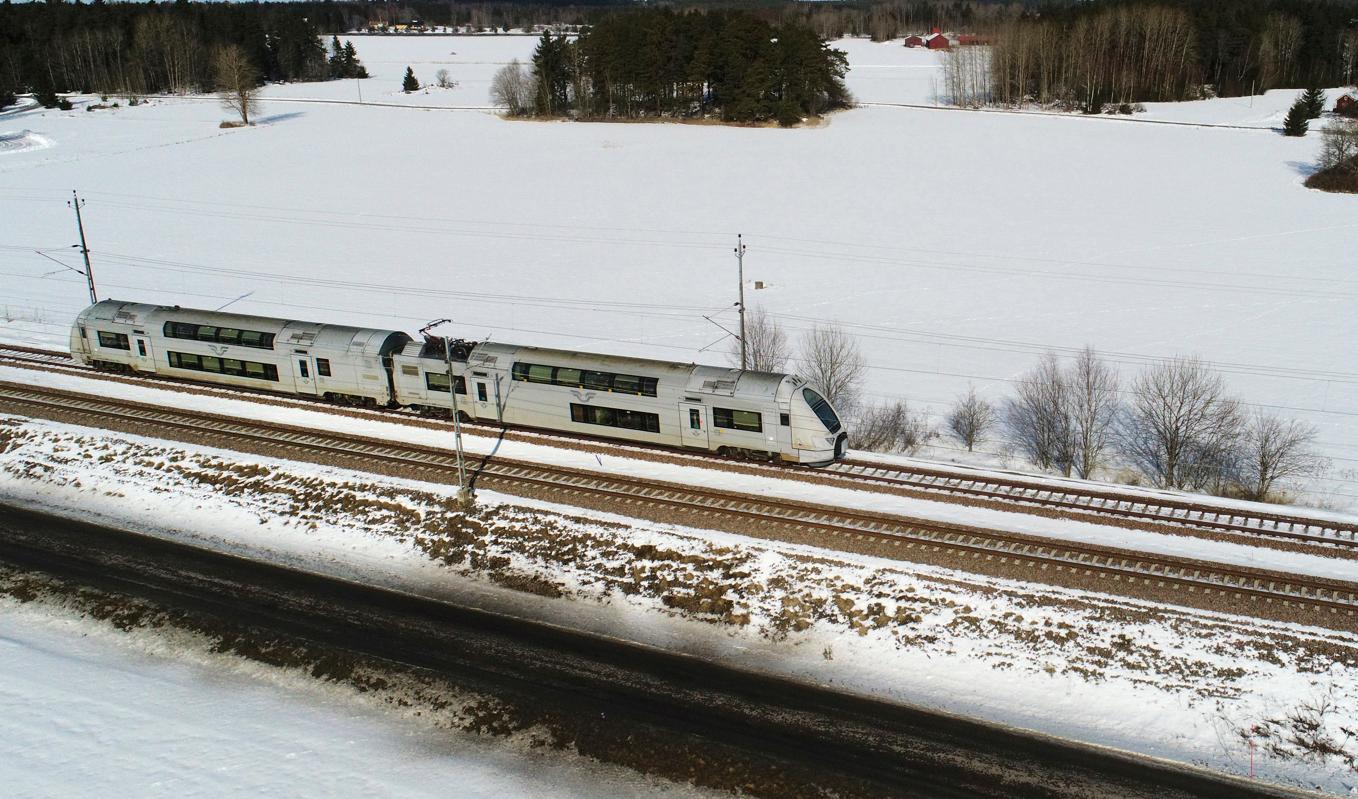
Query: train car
<point>683,405</point>
<point>755,414</point>
<point>344,364</point>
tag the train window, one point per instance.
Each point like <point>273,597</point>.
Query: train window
<point>695,419</point>
<point>412,371</point>
<point>141,348</point>
<point>615,417</point>
<point>628,383</point>
<point>822,409</point>
<point>221,335</point>
<point>114,341</point>
<point>599,381</point>
<point>322,367</point>
<point>749,421</point>
<point>481,391</point>
<point>784,419</point>
<point>571,377</point>
<point>223,366</point>
<point>301,368</point>
<point>438,381</point>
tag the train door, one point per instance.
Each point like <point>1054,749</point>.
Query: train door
<point>481,398</point>
<point>304,373</point>
<point>693,425</point>
<point>143,360</point>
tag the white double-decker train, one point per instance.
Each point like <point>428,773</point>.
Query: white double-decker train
<point>684,405</point>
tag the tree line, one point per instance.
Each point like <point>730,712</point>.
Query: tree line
<point>1091,56</point>
<point>1174,425</point>
<point>660,63</point>
<point>143,48</point>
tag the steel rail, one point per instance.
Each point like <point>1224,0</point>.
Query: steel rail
<point>1018,491</point>
<point>1261,586</point>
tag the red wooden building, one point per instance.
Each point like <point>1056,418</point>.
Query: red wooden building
<point>914,40</point>
<point>936,41</point>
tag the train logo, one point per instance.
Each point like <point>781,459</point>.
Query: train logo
<point>584,396</point>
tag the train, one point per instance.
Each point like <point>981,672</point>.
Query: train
<point>687,406</point>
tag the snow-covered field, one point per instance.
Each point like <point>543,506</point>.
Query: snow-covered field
<point>959,246</point>
<point>89,710</point>
<point>1167,682</point>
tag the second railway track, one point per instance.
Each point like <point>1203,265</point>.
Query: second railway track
<point>1016,492</point>
<point>1240,589</point>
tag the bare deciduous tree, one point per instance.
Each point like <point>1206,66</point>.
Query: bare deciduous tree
<point>237,81</point>
<point>514,88</point>
<point>892,427</point>
<point>1275,449</point>
<point>1093,397</point>
<point>970,418</point>
<point>443,80</point>
<point>1038,419</point>
<point>1339,145</point>
<point>1181,425</point>
<point>767,348</point>
<point>830,359</point>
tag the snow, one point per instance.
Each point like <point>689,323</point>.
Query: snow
<point>87,710</point>
<point>1179,684</point>
<point>958,246</point>
<point>1242,554</point>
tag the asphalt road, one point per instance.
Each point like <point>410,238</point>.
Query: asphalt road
<point>674,715</point>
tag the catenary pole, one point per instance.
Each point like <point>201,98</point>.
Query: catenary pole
<point>75,202</point>
<point>465,497</point>
<point>740,268</point>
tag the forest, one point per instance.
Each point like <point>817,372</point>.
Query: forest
<point>1083,54</point>
<point>1115,53</point>
<point>135,48</point>
<point>729,65</point>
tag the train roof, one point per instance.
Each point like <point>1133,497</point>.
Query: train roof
<point>286,332</point>
<point>697,379</point>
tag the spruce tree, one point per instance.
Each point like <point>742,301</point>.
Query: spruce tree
<point>1314,99</point>
<point>1296,122</point>
<point>410,84</point>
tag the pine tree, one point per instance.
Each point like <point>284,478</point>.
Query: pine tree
<point>1296,122</point>
<point>353,68</point>
<point>1314,99</point>
<point>410,84</point>
<point>337,66</point>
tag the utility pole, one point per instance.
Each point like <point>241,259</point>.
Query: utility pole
<point>740,266</point>
<point>75,202</point>
<point>466,497</point>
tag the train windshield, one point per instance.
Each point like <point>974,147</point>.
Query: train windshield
<point>822,409</point>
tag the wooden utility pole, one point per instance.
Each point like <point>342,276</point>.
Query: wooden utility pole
<point>75,202</point>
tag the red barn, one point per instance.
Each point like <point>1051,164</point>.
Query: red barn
<point>972,40</point>
<point>914,40</point>
<point>936,41</point>
<point>1347,106</point>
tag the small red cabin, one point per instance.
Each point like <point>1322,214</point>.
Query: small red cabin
<point>1347,106</point>
<point>914,40</point>
<point>936,41</point>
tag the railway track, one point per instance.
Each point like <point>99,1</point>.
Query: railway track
<point>1242,589</point>
<point>1011,492</point>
